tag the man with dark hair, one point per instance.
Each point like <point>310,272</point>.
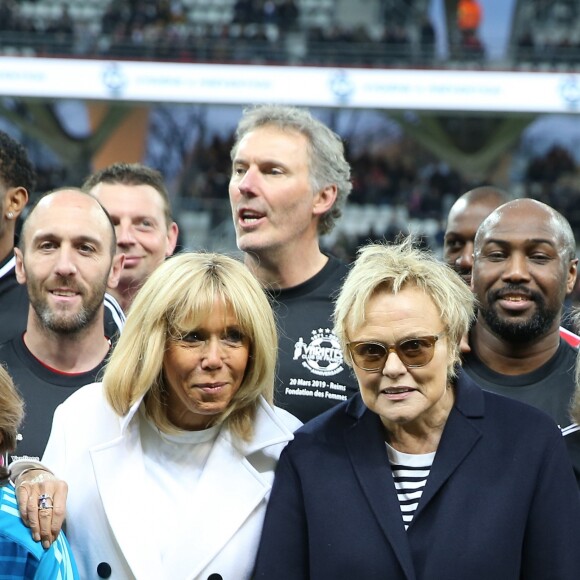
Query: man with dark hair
<point>289,183</point>
<point>66,258</point>
<point>523,269</point>
<point>17,181</point>
<point>138,203</point>
<point>465,216</point>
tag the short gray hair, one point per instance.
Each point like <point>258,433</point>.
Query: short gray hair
<point>328,165</point>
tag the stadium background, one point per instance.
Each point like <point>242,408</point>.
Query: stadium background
<point>409,162</point>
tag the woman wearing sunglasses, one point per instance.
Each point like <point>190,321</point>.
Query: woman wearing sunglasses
<point>423,475</point>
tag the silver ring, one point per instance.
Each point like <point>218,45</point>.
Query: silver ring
<point>43,502</point>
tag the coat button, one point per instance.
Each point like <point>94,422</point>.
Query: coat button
<point>215,577</point>
<point>104,570</point>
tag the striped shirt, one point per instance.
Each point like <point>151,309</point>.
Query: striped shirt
<point>570,429</point>
<point>22,557</point>
<point>410,474</point>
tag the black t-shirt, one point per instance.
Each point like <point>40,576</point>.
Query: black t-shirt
<point>13,302</point>
<point>14,307</point>
<point>42,389</point>
<point>549,387</point>
<point>312,375</point>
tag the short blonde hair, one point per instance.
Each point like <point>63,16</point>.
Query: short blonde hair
<point>392,267</point>
<point>176,298</point>
<point>11,415</point>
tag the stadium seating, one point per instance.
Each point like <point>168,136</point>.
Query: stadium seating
<point>323,35</point>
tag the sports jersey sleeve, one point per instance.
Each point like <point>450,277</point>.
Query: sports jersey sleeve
<point>57,562</point>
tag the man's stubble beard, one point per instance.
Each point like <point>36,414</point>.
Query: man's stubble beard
<point>63,322</point>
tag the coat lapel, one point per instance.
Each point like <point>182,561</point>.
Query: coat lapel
<point>366,449</point>
<point>367,452</point>
<point>120,476</point>
<point>458,439</point>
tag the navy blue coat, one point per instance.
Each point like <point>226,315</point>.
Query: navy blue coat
<point>501,501</point>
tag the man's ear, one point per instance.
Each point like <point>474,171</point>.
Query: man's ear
<point>324,200</point>
<point>115,271</point>
<point>19,268</point>
<point>172,233</point>
<point>15,200</point>
<point>572,273</point>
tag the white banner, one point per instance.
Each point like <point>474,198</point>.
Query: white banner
<point>434,90</point>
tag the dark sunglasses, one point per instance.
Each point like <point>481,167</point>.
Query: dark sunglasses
<point>412,352</point>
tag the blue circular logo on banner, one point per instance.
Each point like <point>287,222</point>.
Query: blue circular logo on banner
<point>342,86</point>
<point>114,79</point>
<point>570,91</point>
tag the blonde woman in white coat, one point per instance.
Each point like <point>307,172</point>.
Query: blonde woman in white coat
<point>171,459</point>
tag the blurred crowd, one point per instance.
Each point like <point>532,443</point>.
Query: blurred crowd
<point>279,31</point>
<point>247,31</point>
<point>554,178</point>
<point>425,187</point>
<point>13,21</point>
<point>548,32</point>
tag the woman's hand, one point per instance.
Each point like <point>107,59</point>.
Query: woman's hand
<point>42,503</point>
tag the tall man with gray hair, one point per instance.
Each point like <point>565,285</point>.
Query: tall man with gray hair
<point>289,183</point>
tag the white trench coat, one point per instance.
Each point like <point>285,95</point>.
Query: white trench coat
<point>109,526</point>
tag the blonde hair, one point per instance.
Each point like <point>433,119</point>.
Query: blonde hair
<point>176,298</point>
<point>397,266</point>
<point>11,415</point>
